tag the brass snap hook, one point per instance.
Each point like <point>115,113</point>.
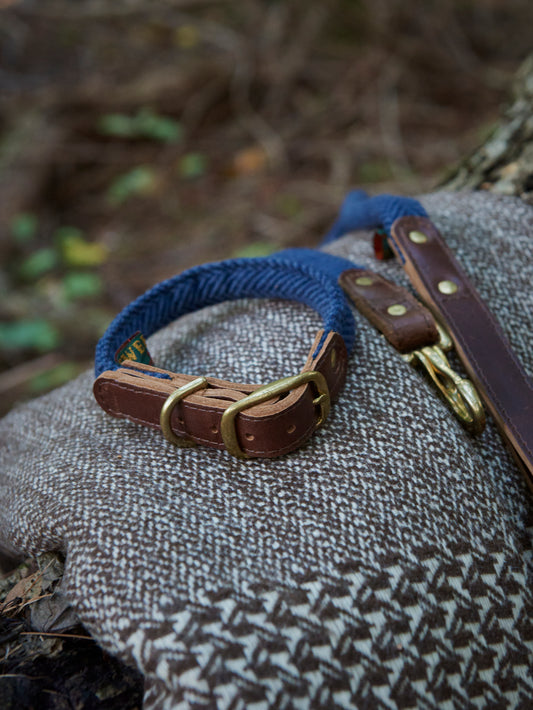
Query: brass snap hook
<point>458,391</point>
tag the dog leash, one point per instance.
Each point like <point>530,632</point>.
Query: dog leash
<point>446,290</point>
<point>274,419</point>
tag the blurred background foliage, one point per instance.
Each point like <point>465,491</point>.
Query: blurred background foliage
<point>140,138</point>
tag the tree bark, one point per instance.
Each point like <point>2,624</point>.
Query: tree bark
<point>504,163</point>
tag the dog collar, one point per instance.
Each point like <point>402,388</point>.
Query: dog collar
<point>246,420</point>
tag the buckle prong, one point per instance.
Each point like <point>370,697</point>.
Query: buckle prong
<point>269,391</point>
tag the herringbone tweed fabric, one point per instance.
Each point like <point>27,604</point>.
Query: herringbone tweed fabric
<point>387,564</point>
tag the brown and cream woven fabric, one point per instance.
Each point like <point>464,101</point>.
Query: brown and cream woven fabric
<point>386,564</point>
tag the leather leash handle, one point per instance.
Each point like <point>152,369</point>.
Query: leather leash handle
<point>484,349</point>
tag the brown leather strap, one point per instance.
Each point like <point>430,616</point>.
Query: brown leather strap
<point>403,320</point>
<point>478,338</point>
<point>266,430</point>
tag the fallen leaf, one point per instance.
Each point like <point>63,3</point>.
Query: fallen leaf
<point>52,613</point>
<point>249,161</point>
<point>25,589</point>
<point>510,170</point>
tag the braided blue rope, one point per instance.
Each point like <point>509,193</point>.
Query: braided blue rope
<point>291,275</point>
<point>304,275</point>
<point>358,211</point>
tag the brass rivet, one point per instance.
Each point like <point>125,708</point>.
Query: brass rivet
<point>397,310</point>
<point>447,287</point>
<point>364,281</point>
<point>333,358</point>
<point>417,237</point>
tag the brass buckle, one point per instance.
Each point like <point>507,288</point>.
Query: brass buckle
<point>459,392</point>
<point>263,394</point>
<point>171,401</point>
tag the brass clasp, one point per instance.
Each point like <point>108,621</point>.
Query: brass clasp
<point>459,392</point>
<point>263,394</point>
<point>172,400</point>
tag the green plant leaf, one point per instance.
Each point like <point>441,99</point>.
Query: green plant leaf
<point>144,124</point>
<point>24,227</point>
<point>139,181</point>
<point>187,36</point>
<point>255,249</point>
<point>192,165</point>
<point>117,124</point>
<point>374,171</point>
<point>290,206</point>
<point>29,333</point>
<point>81,285</point>
<point>158,128</point>
<point>55,377</point>
<point>38,263</point>
<point>77,251</point>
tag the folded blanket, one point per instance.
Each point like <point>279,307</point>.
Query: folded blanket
<point>384,564</point>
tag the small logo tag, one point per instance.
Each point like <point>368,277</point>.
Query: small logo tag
<point>135,349</point>
<point>382,248</point>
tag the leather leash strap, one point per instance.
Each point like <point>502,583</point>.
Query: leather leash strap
<point>404,321</point>
<point>294,407</point>
<point>412,330</point>
<point>484,349</point>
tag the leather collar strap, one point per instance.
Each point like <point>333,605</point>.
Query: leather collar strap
<point>445,288</point>
<point>247,420</point>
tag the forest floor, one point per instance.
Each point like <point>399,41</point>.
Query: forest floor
<point>138,139</point>
<point>136,143</point>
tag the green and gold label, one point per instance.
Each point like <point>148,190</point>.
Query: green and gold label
<point>135,349</point>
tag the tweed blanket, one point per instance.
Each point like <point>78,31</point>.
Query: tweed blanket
<point>386,564</point>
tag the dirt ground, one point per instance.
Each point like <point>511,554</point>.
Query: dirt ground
<point>138,139</point>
